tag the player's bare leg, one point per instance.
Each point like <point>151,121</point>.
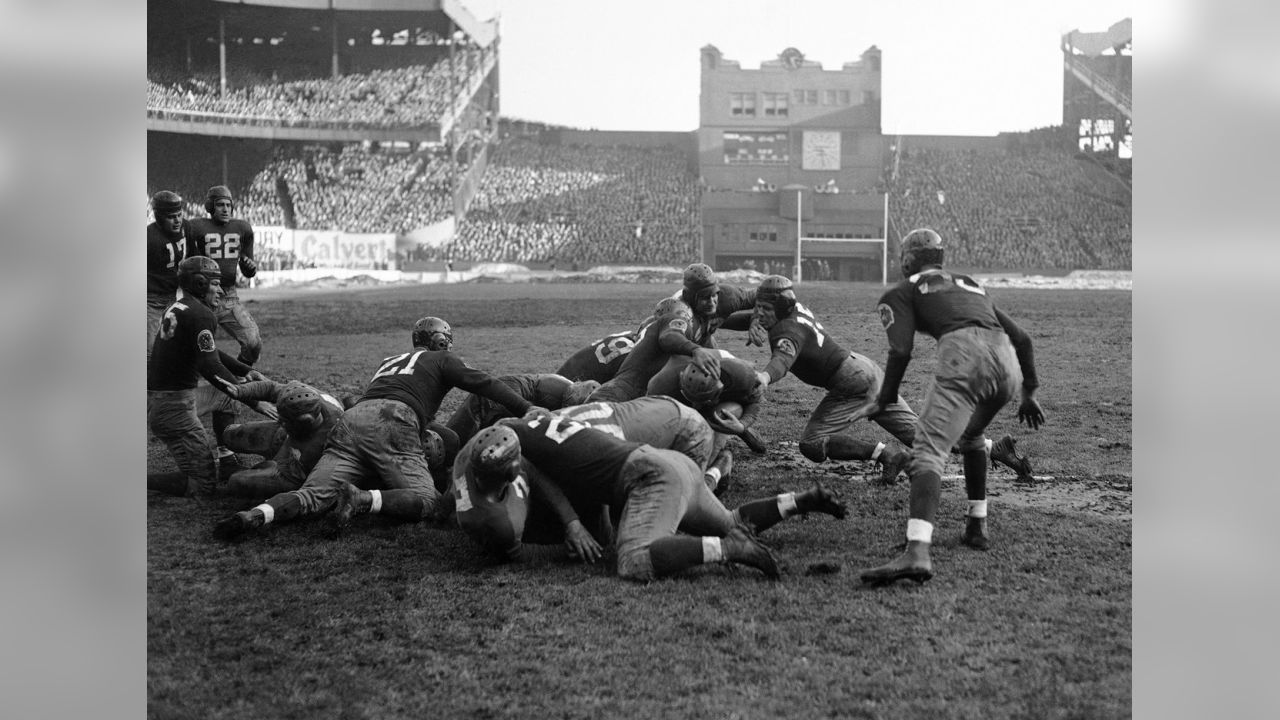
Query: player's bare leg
<point>915,563</point>
<point>760,515</point>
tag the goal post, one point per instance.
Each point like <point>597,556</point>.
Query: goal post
<point>883,242</point>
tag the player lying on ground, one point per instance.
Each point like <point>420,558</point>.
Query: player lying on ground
<point>668,519</point>
<point>292,446</point>
<point>381,454</point>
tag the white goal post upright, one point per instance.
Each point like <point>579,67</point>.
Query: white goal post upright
<point>883,241</point>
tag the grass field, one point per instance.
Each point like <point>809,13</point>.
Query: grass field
<point>405,620</point>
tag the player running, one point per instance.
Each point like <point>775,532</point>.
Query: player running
<point>983,358</point>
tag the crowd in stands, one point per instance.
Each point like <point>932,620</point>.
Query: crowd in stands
<point>580,205</point>
<point>1033,207</point>
<point>411,96</point>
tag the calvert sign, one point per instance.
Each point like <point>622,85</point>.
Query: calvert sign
<point>329,248</point>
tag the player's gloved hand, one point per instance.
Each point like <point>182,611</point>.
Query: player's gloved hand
<point>580,543</point>
<point>253,375</point>
<point>723,421</point>
<point>708,360</point>
<point>1029,411</point>
<point>756,334</point>
<point>248,266</point>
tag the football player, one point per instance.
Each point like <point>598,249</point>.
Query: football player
<point>801,345</point>
<point>712,303</point>
<point>600,360</point>
<point>383,454</point>
<point>229,241</point>
<point>166,247</point>
<point>293,444</point>
<point>730,403</point>
<point>668,334</point>
<point>184,350</point>
<point>984,357</point>
<point>546,390</point>
<point>669,522</point>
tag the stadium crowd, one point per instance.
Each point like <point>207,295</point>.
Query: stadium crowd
<point>382,98</point>
<point>585,205</point>
<point>991,207</point>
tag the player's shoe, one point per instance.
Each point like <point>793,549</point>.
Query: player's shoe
<point>743,547</point>
<point>821,500</point>
<point>892,466</point>
<point>913,564</point>
<point>233,526</point>
<point>347,507</point>
<point>1005,452</point>
<point>754,442</point>
<point>975,534</point>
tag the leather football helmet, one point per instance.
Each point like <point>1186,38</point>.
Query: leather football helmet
<point>215,193</point>
<point>920,247</point>
<point>196,274</point>
<point>495,457</point>
<point>778,291</point>
<point>698,387</point>
<point>432,333</point>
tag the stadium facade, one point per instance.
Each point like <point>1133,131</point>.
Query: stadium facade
<point>790,151</point>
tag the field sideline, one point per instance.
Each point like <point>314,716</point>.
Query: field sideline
<point>399,620</point>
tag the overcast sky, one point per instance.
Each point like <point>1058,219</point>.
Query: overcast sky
<point>958,67</point>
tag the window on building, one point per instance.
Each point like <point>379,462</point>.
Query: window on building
<point>798,97</point>
<point>844,97</point>
<point>810,97</point>
<point>828,97</point>
<point>742,104</point>
<point>775,104</point>
<point>763,233</point>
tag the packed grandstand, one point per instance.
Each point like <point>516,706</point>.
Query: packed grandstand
<point>512,191</point>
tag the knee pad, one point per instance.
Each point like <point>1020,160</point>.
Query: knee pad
<point>815,449</point>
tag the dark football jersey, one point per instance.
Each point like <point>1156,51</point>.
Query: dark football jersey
<point>800,344</point>
<point>186,332</point>
<point>583,461</point>
<point>224,244</point>
<point>601,359</point>
<point>935,302</point>
<point>658,340</point>
<point>421,378</point>
<point>164,252</point>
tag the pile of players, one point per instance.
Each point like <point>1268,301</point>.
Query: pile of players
<point>627,445</point>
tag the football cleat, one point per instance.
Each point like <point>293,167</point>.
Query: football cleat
<point>1005,452</point>
<point>914,564</point>
<point>975,534</point>
<point>754,442</point>
<point>743,547</point>
<point>233,526</point>
<point>347,507</point>
<point>821,500</point>
<point>892,466</point>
